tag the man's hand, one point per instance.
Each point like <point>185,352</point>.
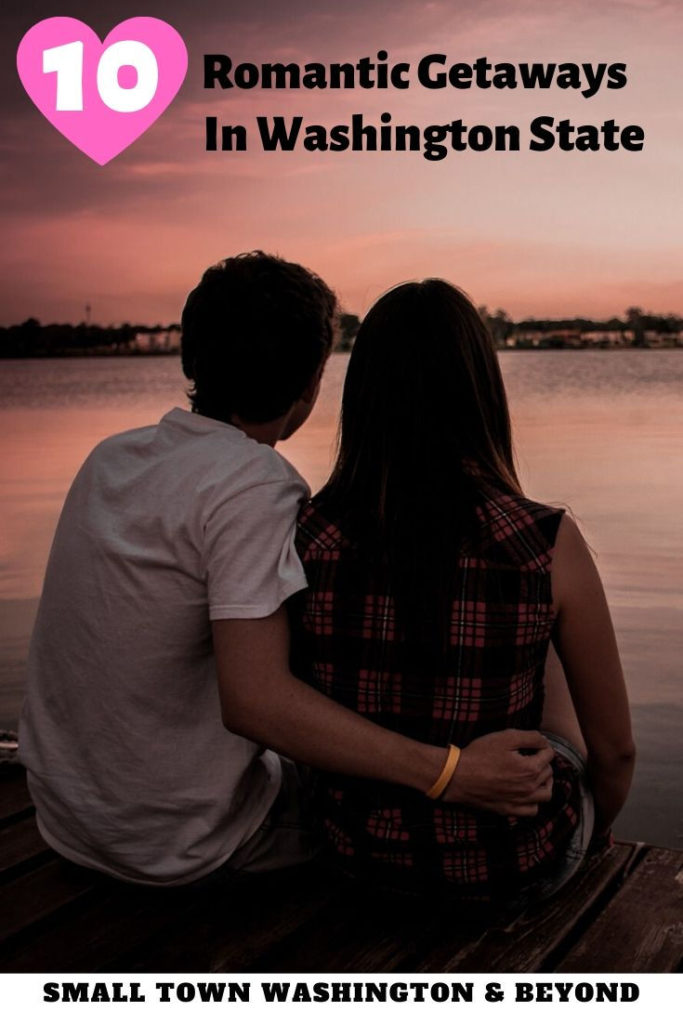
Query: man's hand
<point>492,774</point>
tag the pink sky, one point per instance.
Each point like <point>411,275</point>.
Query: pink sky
<point>537,233</point>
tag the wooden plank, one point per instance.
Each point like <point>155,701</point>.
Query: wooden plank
<point>526,942</point>
<point>21,844</point>
<point>236,923</point>
<point>346,936</point>
<point>43,891</point>
<point>15,799</point>
<point>641,929</point>
<point>363,931</point>
<point>307,921</point>
<point>111,920</point>
<point>275,921</point>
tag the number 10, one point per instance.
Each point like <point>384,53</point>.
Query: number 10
<point>67,62</point>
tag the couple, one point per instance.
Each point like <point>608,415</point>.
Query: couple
<point>190,632</point>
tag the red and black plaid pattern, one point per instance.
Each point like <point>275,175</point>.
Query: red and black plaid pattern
<point>347,643</point>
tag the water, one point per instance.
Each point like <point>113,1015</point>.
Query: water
<point>600,432</point>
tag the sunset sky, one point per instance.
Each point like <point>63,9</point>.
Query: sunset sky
<point>538,234</point>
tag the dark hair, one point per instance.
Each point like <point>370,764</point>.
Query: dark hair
<point>255,331</point>
<point>424,420</point>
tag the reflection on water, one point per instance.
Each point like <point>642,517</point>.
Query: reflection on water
<point>96,383</point>
<point>599,432</point>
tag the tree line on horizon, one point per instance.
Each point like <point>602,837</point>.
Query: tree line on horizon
<point>31,339</point>
<point>635,320</point>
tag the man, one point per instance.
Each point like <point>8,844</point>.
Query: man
<point>158,670</point>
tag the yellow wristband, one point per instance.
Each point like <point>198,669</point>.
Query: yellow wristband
<point>447,773</point>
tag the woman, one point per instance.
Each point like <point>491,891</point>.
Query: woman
<point>435,588</point>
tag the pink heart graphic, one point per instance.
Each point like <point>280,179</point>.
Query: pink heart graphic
<point>137,70</point>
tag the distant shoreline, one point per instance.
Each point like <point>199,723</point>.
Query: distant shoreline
<point>111,354</point>
<point>638,330</point>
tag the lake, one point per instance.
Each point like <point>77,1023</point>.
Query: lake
<point>600,432</point>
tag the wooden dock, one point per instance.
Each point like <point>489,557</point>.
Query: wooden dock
<point>624,913</point>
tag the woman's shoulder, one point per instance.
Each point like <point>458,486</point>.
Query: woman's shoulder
<point>517,529</point>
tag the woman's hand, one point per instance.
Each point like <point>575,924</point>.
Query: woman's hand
<point>494,775</point>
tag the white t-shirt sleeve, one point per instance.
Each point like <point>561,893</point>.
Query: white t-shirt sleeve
<point>249,555</point>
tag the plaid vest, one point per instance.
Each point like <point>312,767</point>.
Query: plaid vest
<point>347,643</point>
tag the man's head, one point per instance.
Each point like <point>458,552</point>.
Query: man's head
<point>256,333</point>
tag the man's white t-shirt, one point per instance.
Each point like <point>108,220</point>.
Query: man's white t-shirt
<point>130,767</point>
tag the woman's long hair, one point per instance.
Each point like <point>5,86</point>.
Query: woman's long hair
<point>424,421</point>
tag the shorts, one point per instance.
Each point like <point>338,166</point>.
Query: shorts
<point>575,853</point>
<point>288,835</point>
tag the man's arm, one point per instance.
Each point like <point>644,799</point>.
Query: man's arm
<point>262,700</point>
